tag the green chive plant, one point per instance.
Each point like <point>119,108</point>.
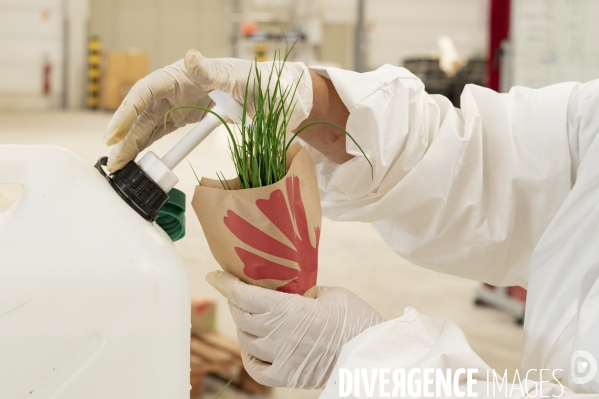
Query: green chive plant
<point>259,149</point>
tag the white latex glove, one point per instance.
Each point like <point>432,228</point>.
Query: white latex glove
<point>138,122</point>
<point>289,340</point>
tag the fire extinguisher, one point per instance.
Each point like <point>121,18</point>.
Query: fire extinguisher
<point>47,76</point>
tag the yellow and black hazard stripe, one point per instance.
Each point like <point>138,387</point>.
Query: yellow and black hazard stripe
<point>260,51</point>
<point>93,72</point>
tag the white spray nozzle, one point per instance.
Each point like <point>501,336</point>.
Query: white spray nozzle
<point>227,107</point>
<point>160,170</point>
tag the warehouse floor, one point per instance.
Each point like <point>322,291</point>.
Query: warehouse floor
<point>351,254</point>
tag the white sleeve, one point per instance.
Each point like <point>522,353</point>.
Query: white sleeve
<point>400,358</point>
<point>467,192</point>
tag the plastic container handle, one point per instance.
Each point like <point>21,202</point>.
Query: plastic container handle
<point>19,163</point>
<point>46,168</point>
<point>15,163</point>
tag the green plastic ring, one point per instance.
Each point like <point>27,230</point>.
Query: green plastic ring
<point>171,217</point>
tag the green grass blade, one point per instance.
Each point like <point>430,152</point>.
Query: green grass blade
<point>194,172</point>
<point>223,389</point>
<point>259,149</point>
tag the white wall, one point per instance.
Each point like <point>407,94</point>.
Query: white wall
<point>554,41</point>
<point>406,28</point>
<point>399,28</point>
<point>164,28</point>
<point>77,17</point>
<point>339,21</point>
<point>30,30</point>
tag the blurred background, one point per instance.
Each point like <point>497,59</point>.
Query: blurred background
<point>86,53</point>
<point>65,66</point>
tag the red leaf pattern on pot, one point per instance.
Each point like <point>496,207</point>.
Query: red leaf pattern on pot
<point>283,216</point>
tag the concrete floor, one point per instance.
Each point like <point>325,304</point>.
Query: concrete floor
<point>347,250</point>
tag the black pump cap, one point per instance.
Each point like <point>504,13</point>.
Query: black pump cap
<point>136,188</point>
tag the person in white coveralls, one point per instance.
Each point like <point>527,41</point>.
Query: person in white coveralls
<point>504,191</point>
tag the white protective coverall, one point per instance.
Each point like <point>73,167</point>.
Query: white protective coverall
<point>504,191</point>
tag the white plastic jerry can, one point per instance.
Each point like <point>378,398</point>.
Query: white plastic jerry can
<point>94,300</point>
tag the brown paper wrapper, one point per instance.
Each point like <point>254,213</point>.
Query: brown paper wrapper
<point>266,236</point>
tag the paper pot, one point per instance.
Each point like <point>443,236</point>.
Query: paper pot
<point>267,236</point>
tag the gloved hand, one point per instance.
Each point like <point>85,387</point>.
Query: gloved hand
<point>289,340</point>
<point>138,122</point>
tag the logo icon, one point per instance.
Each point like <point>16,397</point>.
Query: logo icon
<point>583,367</point>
